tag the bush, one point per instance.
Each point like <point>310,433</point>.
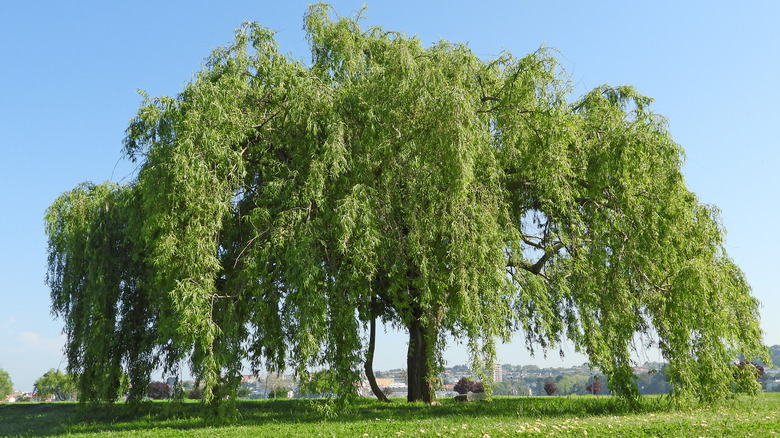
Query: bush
<point>550,387</point>
<point>159,391</point>
<point>387,390</point>
<point>466,385</point>
<point>195,394</point>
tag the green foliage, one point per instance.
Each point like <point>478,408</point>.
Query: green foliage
<point>322,383</point>
<point>6,384</point>
<point>572,384</point>
<point>509,388</point>
<point>747,377</point>
<point>243,392</point>
<point>279,392</point>
<point>54,383</point>
<point>276,201</point>
<point>99,286</point>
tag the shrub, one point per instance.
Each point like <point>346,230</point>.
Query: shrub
<point>159,391</point>
<point>466,385</point>
<point>387,390</point>
<point>550,387</point>
<point>195,394</point>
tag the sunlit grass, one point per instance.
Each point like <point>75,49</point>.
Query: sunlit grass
<point>519,416</point>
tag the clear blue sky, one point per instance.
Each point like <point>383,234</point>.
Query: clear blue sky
<point>70,72</point>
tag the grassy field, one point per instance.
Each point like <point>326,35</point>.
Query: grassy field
<point>518,416</point>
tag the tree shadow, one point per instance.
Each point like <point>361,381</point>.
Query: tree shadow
<point>52,419</point>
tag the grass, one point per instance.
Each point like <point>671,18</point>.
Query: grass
<point>518,416</point>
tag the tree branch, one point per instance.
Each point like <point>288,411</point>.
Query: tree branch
<point>536,268</point>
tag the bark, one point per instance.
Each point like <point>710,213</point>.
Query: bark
<point>421,349</point>
<point>369,366</point>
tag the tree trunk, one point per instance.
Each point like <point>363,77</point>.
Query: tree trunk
<point>421,349</point>
<point>369,367</point>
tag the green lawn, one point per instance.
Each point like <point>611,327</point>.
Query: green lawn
<point>518,416</point>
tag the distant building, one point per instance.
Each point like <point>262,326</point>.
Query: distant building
<point>498,373</point>
<point>384,382</point>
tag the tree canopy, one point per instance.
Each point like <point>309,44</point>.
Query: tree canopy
<point>281,208</point>
<point>6,384</point>
<point>55,384</point>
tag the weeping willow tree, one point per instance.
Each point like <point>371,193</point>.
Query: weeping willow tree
<point>100,287</point>
<point>282,209</point>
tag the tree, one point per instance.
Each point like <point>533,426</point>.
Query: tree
<point>6,384</point>
<point>56,384</point>
<point>571,384</point>
<point>594,387</point>
<point>281,209</point>
<point>279,391</point>
<point>509,388</point>
<point>550,387</point>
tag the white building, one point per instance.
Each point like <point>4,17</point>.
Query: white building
<point>498,373</point>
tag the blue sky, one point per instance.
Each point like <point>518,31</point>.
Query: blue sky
<point>70,72</point>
